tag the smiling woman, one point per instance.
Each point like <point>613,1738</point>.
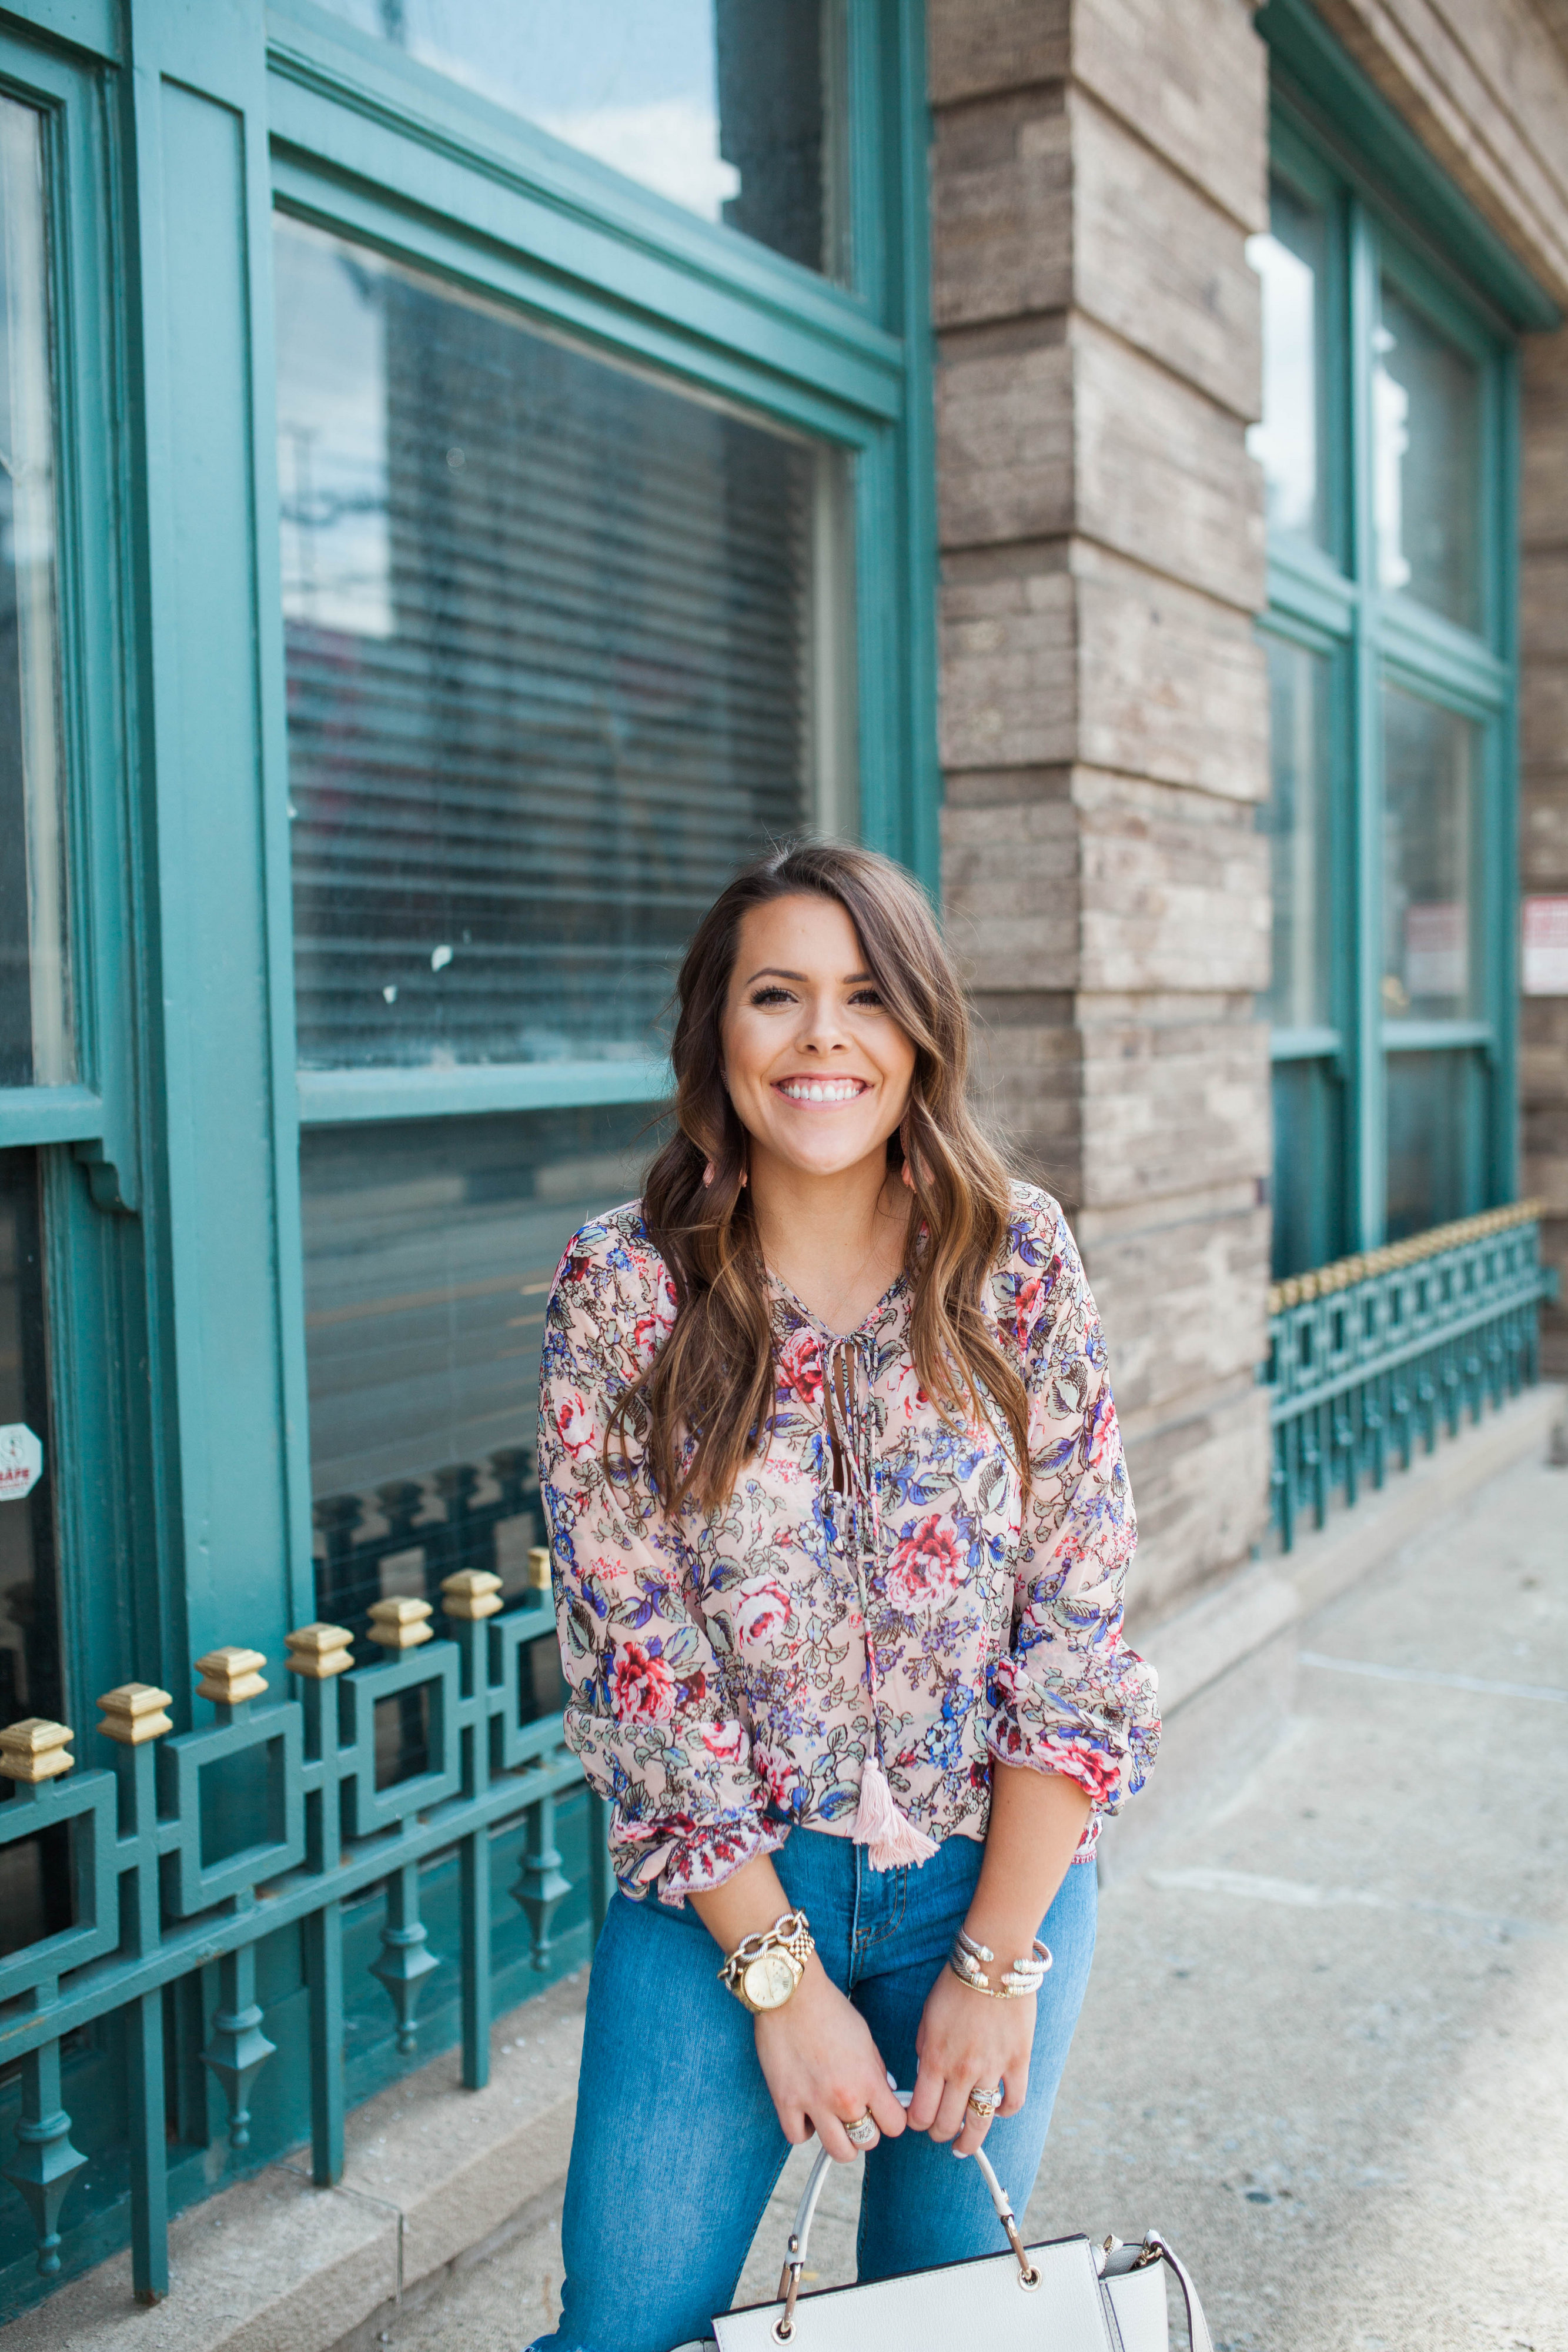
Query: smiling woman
<point>815,1065</point>
<point>840,1527</point>
<point>877,1001</point>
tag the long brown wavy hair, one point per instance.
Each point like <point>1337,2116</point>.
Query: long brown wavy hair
<point>714,1377</point>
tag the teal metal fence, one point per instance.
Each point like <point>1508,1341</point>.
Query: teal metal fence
<point>197,1847</point>
<point>1376,1356</point>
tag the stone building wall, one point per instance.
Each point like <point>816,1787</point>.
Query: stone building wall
<point>1098,165</point>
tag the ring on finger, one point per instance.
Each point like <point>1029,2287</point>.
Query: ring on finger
<point>983,2104</point>
<point>863,2132</point>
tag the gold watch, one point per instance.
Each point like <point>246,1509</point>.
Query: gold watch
<point>765,1969</point>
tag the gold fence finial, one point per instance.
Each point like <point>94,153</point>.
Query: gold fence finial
<point>318,1652</point>
<point>399,1624</point>
<point>471,1594</point>
<point>34,1751</point>
<point>133,1713</point>
<point>231,1676</point>
<point>539,1567</point>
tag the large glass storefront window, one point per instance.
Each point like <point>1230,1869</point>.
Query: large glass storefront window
<point>731,108</point>
<point>562,652</point>
<point>430,1248</point>
<point>35,1029</point>
<point>1384,478</point>
<point>565,646</point>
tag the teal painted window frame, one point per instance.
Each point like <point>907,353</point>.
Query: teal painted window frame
<point>1388,207</point>
<point>384,151</point>
<point>367,142</point>
<point>87,1136</point>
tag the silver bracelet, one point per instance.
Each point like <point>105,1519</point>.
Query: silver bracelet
<point>970,1961</point>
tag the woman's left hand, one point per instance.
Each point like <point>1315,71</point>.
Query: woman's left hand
<point>967,2041</point>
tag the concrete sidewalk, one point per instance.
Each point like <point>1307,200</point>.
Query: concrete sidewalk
<point>1325,2047</point>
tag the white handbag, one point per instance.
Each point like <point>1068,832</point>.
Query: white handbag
<point>1065,2295</point>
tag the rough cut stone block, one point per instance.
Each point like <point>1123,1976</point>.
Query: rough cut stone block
<point>1200,1486</point>
<point>1175,1097</point>
<point>1183,1304</point>
<point>1005,787</point>
<point>1544,831</point>
<point>1544,716</point>
<point>1163,474</point>
<point>1175,887</point>
<point>1191,77</point>
<point>1007,673</point>
<point>1010,894</point>
<point>1156,260</point>
<point>975,45</point>
<point>1004,433</point>
<point>1543,603</point>
<point>1543,470</point>
<point>1026,1086</point>
<point>1172,684</point>
<point>1001,210</point>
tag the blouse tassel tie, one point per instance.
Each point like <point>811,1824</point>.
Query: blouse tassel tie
<point>891,1841</point>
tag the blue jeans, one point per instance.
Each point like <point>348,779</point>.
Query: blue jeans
<point>677,2149</point>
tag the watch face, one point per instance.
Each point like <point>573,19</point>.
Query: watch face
<point>770,1980</point>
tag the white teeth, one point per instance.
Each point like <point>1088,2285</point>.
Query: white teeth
<point>817,1090</point>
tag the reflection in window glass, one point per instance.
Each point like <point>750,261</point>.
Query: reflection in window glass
<point>1436,1140</point>
<point>1308,1192</point>
<point>1297,820</point>
<point>564,648</point>
<point>430,1248</point>
<point>731,108</point>
<point>35,990</point>
<point>1428,796</point>
<point>34,1884</point>
<point>1288,440</point>
<point>1425,456</point>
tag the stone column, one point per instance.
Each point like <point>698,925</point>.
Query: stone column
<point>1543,794</point>
<point>1098,166</point>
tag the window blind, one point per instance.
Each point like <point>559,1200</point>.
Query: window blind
<point>549,636</point>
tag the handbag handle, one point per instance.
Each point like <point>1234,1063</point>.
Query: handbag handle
<point>1155,2249</point>
<point>1196,2324</point>
<point>805,2213</point>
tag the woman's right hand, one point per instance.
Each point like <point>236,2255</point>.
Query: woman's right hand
<point>822,2067</point>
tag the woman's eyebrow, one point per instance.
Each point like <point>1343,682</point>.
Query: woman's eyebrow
<point>776,971</point>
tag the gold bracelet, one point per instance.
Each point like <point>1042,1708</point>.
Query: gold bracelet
<point>765,1969</point>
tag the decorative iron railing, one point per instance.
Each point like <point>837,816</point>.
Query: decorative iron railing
<point>1377,1354</point>
<point>349,1571</point>
<point>331,1812</point>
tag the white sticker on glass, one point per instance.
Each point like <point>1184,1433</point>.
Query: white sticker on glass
<point>1546,947</point>
<point>21,1461</point>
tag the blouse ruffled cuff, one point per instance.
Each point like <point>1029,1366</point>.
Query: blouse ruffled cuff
<point>1104,1733</point>
<point>678,1856</point>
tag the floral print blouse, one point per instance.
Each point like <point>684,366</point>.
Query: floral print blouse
<point>731,1671</point>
